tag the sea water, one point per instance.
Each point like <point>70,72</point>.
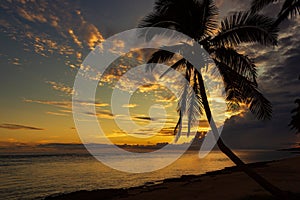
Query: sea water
<point>37,176</point>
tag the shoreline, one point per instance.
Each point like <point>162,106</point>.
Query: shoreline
<point>213,182</point>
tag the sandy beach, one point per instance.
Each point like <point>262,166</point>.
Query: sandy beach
<point>228,183</point>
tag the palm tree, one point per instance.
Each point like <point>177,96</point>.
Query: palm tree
<point>295,122</point>
<point>290,8</point>
<point>199,20</point>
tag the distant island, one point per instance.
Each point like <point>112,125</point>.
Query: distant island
<point>194,146</point>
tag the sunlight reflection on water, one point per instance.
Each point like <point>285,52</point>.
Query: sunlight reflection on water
<point>29,177</point>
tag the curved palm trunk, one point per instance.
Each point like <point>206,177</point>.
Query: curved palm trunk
<point>230,154</point>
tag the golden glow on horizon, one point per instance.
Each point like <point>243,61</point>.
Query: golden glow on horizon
<point>57,118</point>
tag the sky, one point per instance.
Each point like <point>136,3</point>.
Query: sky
<point>43,43</point>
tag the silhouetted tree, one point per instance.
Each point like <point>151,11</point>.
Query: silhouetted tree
<point>199,20</point>
<point>295,122</point>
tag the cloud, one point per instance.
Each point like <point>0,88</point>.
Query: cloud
<point>15,61</point>
<point>67,107</point>
<point>144,118</point>
<point>229,6</point>
<point>219,3</point>
<point>92,35</point>
<point>47,28</point>
<point>19,127</point>
<point>65,104</point>
<point>61,87</point>
<point>129,105</point>
<point>31,16</point>
<point>102,114</point>
<point>75,38</point>
<point>56,113</point>
<point>60,104</point>
<point>168,131</point>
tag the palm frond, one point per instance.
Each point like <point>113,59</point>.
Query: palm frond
<point>182,105</point>
<point>240,90</point>
<point>287,5</point>
<point>239,63</point>
<point>209,19</point>
<point>163,5</point>
<point>163,55</point>
<point>197,19</point>
<point>290,8</point>
<point>175,66</point>
<point>160,56</point>
<point>178,127</point>
<point>190,101</point>
<point>258,5</point>
<point>243,27</point>
<point>195,105</point>
<point>259,105</point>
<point>156,19</point>
<point>165,22</point>
<point>165,15</point>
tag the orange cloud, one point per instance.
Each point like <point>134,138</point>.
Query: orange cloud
<point>56,113</point>
<point>61,87</point>
<point>64,38</point>
<point>33,17</point>
<point>129,105</point>
<point>75,38</point>
<point>94,36</point>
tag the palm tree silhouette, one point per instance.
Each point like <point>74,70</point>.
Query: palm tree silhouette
<point>295,122</point>
<point>199,20</point>
<point>290,8</point>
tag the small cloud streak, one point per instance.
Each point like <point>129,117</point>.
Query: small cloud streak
<point>61,87</point>
<point>66,107</point>
<point>75,38</point>
<point>20,127</point>
<point>129,105</point>
<point>56,113</point>
<point>65,104</point>
<point>144,118</point>
<point>103,114</point>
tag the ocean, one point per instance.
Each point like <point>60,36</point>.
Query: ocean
<point>37,176</point>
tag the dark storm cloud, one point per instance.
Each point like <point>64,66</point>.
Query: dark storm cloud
<point>243,133</point>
